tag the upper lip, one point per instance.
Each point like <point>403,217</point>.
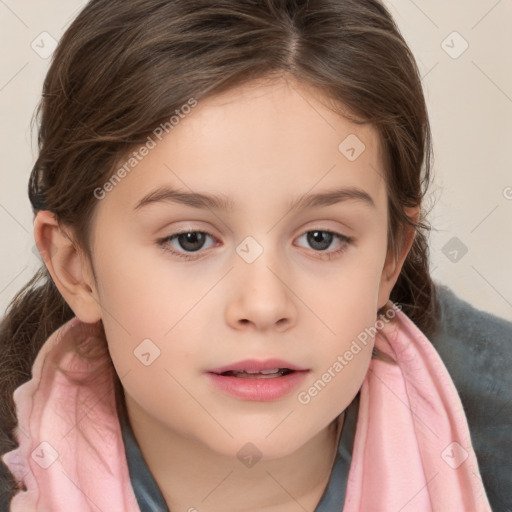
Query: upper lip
<point>255,365</point>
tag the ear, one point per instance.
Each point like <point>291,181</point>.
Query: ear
<point>69,268</point>
<point>392,265</point>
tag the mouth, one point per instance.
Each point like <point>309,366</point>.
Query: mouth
<point>262,374</point>
<point>258,369</point>
<point>255,380</point>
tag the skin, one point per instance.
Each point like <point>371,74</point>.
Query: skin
<point>261,145</point>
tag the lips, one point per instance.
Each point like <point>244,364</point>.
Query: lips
<point>262,381</point>
<point>252,368</point>
<point>262,374</point>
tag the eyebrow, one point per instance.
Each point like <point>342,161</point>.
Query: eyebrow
<point>222,202</point>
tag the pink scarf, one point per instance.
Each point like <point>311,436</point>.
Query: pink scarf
<point>412,449</point>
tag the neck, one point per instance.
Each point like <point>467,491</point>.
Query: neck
<point>220,483</point>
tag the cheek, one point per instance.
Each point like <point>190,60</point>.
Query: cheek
<point>349,309</point>
<point>144,292</point>
<point>157,370</point>
<point>349,296</point>
<point>343,360</point>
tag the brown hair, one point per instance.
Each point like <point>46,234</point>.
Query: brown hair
<point>123,67</point>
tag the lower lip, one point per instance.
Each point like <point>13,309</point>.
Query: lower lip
<point>259,389</point>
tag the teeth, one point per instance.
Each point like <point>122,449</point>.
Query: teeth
<point>264,372</point>
<point>258,374</point>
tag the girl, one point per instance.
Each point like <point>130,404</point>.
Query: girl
<point>233,310</point>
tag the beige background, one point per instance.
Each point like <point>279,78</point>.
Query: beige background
<point>470,102</point>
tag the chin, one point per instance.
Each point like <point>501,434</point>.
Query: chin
<point>255,443</point>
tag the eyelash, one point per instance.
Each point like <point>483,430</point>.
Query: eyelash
<point>164,244</point>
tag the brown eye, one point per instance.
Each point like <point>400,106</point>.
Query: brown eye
<point>186,243</point>
<point>192,241</point>
<point>319,240</point>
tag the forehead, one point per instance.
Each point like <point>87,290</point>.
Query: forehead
<point>263,141</point>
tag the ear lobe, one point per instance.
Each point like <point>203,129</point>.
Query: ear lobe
<point>69,268</point>
<point>393,266</point>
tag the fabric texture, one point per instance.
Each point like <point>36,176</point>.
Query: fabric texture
<point>476,347</point>
<point>412,447</point>
<point>148,495</point>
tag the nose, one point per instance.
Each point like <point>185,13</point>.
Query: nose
<point>260,297</point>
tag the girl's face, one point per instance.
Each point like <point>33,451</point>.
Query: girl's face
<point>258,277</point>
